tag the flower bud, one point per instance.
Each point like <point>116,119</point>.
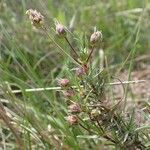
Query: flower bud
<point>63,82</point>
<point>72,119</point>
<point>74,108</point>
<point>36,17</point>
<point>69,93</point>
<point>95,37</point>
<point>60,30</point>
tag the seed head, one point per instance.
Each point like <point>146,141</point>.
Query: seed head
<point>35,17</point>
<point>63,82</point>
<point>95,37</point>
<point>60,30</point>
<point>72,119</point>
<point>74,108</point>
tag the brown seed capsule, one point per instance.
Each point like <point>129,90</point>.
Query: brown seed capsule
<point>36,17</point>
<point>74,108</point>
<point>60,30</point>
<point>63,82</point>
<point>95,37</point>
<point>72,119</point>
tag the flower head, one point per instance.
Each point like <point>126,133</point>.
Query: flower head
<point>95,37</point>
<point>60,30</point>
<point>36,17</point>
<point>72,119</point>
<point>95,114</point>
<point>80,71</point>
<point>74,108</point>
<point>63,82</point>
<point>69,93</point>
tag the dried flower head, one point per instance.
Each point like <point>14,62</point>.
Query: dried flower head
<point>69,93</point>
<point>74,108</point>
<point>36,17</point>
<point>63,82</point>
<point>95,37</point>
<point>72,119</point>
<point>60,29</point>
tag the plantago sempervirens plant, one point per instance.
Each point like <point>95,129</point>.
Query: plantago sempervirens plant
<point>87,107</point>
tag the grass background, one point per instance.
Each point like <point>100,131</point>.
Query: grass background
<point>29,60</point>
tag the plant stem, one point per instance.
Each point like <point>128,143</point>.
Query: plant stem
<point>105,136</point>
<point>85,128</point>
<point>100,126</point>
<point>45,30</point>
<point>71,46</point>
<point>90,54</point>
<point>109,138</point>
